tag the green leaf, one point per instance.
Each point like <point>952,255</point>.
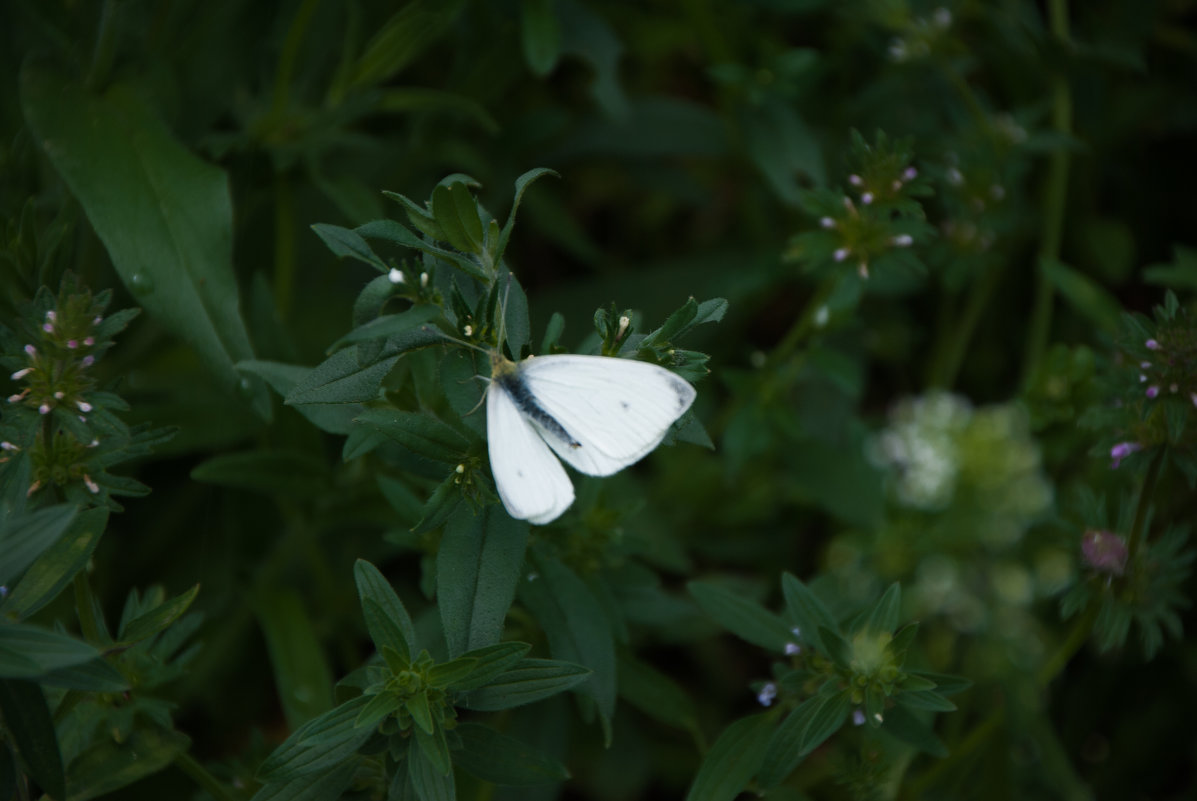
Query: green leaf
<point>925,699</point>
<point>421,714</point>
<point>404,36</point>
<point>945,684</point>
<point>836,649</point>
<point>575,624</point>
<point>807,611</point>
<point>495,757</point>
<point>825,720</point>
<point>530,680</point>
<point>746,619</point>
<point>478,568</point>
<point>1180,273</point>
<point>27,652</point>
<point>456,211</point>
<point>386,618</point>
<point>655,694</point>
<point>785,750</point>
<point>152,622</point>
<point>429,781</point>
<point>28,721</point>
<point>903,724</point>
<point>1084,294</point>
<point>282,378</point>
<point>521,184</point>
<point>540,37</point>
<point>108,765</point>
<point>884,614</point>
<point>390,325</point>
<point>301,672</point>
<point>420,433</point>
<point>489,662</point>
<point>679,321</point>
<point>164,216</point>
<point>96,676</point>
<point>733,759</point>
<point>347,243</point>
<point>381,705</point>
<point>450,673</point>
<point>396,233</point>
<point>57,565</point>
<point>24,537</point>
<point>328,786</point>
<point>290,473</point>
<point>318,744</point>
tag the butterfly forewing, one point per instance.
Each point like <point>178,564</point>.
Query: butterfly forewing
<point>614,410</point>
<point>530,480</point>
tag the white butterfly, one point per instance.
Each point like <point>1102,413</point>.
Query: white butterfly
<point>598,413</point>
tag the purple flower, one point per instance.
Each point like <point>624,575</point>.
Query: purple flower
<point>858,717</point>
<point>767,694</point>
<point>1104,551</point>
<point>1152,391</point>
<point>1121,451</point>
<point>1151,344</point>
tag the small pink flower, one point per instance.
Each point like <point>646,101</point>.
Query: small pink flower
<point>88,360</point>
<point>866,198</point>
<point>841,254</point>
<point>1104,551</point>
<point>89,341</point>
<point>1152,391</point>
<point>910,173</point>
<point>855,180</point>
<point>1151,344</point>
<point>1121,451</point>
<point>30,350</point>
<point>43,409</point>
<point>72,343</point>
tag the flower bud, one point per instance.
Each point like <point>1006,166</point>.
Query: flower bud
<point>1104,551</point>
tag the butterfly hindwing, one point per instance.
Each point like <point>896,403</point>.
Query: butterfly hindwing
<point>530,480</point>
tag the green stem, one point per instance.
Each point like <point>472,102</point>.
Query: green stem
<point>954,344</point>
<point>1055,199</point>
<point>801,327</point>
<point>200,775</point>
<point>1145,493</point>
<point>289,56</point>
<point>105,50</point>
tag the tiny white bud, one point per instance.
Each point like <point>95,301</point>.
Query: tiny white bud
<point>855,180</point>
<point>896,185</point>
<point>897,50</point>
<point>827,222</point>
<point>863,270</point>
<point>423,279</point>
<point>97,321</point>
<point>48,327</point>
<point>395,276</point>
<point>93,443</point>
<point>624,322</point>
<point>8,446</point>
<point>84,406</point>
<point>460,469</point>
<point>43,409</point>
<point>910,173</point>
<point>877,717</point>
<point>1145,365</point>
<point>902,241</point>
<point>88,360</point>
<point>89,341</point>
<point>92,486</point>
<point>955,177</point>
<point>1172,388</point>
<point>51,315</point>
<point>841,254</point>
<point>858,717</point>
<point>468,330</point>
<point>19,374</point>
<point>59,395</point>
<point>1142,378</point>
<point>793,648</point>
<point>822,315</point>
<point>30,350</point>
<point>866,198</point>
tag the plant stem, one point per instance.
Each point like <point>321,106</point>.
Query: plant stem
<point>801,327</point>
<point>954,344</point>
<point>200,775</point>
<point>1054,202</point>
<point>1145,493</point>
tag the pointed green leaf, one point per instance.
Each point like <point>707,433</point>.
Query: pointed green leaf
<point>575,624</point>
<point>925,699</point>
<point>456,212</point>
<point>27,719</point>
<point>906,726</point>
<point>478,568</point>
<point>57,565</point>
<point>884,614</point>
<point>540,36</point>
<point>521,184</point>
<point>435,750</point>
<point>746,619</point>
<point>152,622</point>
<point>164,216</point>
<point>489,662</point>
<point>733,759</point>
<point>420,433</point>
<point>655,694</point>
<point>347,243</point>
<point>27,651</point>
<point>806,610</point>
<point>302,675</point>
<point>96,676</point>
<point>24,537</point>
<point>529,680</point>
<point>826,718</point>
<point>387,619</point>
<point>945,684</point>
<point>390,325</point>
<point>318,744</point>
<point>427,779</point>
<point>285,472</point>
<point>448,673</point>
<point>328,786</point>
<point>107,765</point>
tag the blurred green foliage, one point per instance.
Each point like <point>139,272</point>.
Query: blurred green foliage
<point>950,261</point>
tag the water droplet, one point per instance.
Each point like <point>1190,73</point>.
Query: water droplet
<point>141,284</point>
